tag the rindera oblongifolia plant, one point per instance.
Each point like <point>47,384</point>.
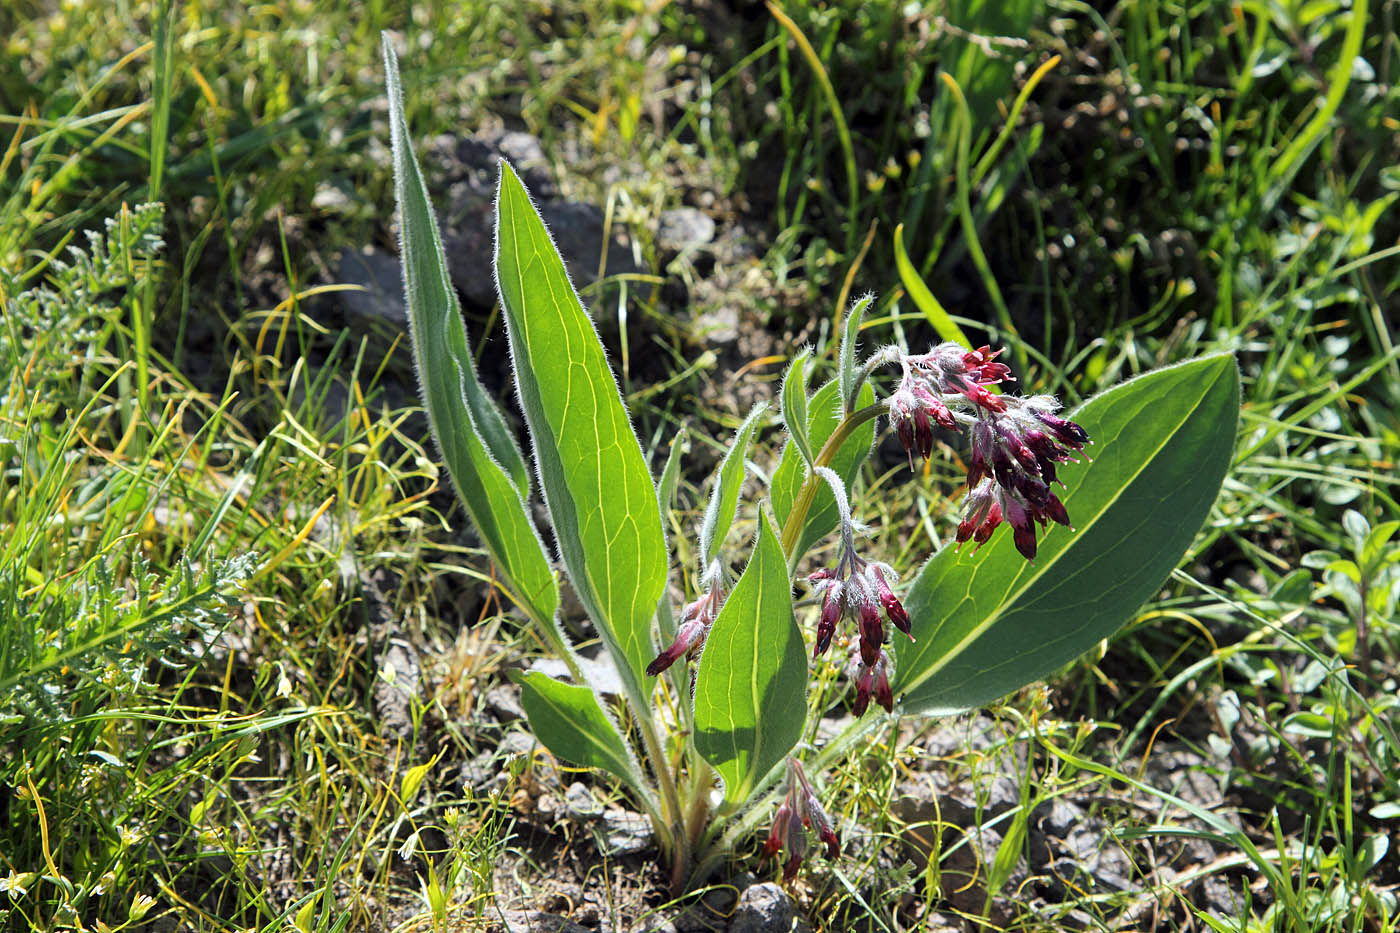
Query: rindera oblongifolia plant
<point>713,747</point>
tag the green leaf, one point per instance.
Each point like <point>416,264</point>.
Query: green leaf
<point>791,470</point>
<point>794,399</point>
<point>941,321</point>
<point>751,683</point>
<point>482,459</point>
<point>850,338</point>
<point>990,622</point>
<point>600,495</point>
<point>670,473</point>
<point>724,498</point>
<point>569,722</point>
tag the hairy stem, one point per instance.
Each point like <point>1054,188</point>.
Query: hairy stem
<point>792,528</point>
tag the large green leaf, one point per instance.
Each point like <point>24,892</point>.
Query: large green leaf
<point>751,683</point>
<point>600,495</point>
<point>825,411</point>
<point>990,622</point>
<point>482,459</point>
<point>569,722</point>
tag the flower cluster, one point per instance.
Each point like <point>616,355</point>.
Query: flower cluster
<point>799,811</point>
<point>1011,468</point>
<point>1016,441</point>
<point>696,619</point>
<point>860,589</point>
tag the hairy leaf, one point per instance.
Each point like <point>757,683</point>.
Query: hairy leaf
<point>482,459</point>
<point>569,722</point>
<point>794,403</point>
<point>850,338</point>
<point>600,495</point>
<point>751,683</point>
<point>729,481</point>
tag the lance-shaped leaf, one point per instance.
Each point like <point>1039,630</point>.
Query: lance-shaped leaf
<point>794,403</point>
<point>729,481</point>
<point>791,471</point>
<point>942,322</point>
<point>600,495</point>
<point>850,338</point>
<point>751,683</point>
<point>569,722</point>
<point>990,622</point>
<point>482,459</point>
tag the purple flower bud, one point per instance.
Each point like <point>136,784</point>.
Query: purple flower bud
<point>980,364</point>
<point>1055,509</point>
<point>1023,454</point>
<point>883,694</point>
<point>864,685</point>
<point>778,834</point>
<point>936,409</point>
<point>982,447</point>
<point>1067,432</point>
<point>1030,488</point>
<point>979,396</point>
<point>690,636</point>
<point>833,604</point>
<point>1022,527</point>
<point>872,632</point>
<point>1003,468</point>
<point>923,433</point>
<point>893,607</point>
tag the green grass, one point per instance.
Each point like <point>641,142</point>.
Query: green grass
<point>216,510</point>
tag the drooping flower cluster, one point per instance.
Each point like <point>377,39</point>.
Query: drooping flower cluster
<point>1016,441</point>
<point>1011,468</point>
<point>696,619</point>
<point>799,811</point>
<point>861,590</point>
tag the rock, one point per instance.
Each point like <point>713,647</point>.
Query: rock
<point>380,306</point>
<point>486,772</point>
<point>763,908</point>
<point>396,687</point>
<point>683,229</point>
<point>625,832</point>
<point>525,154</point>
<point>602,676</point>
<point>718,325</point>
<point>503,700</point>
<point>580,803</point>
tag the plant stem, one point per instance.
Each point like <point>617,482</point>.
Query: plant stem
<point>792,528</point>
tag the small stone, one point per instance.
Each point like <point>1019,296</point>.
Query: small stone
<point>684,228</point>
<point>763,908</point>
<point>601,674</point>
<point>625,833</point>
<point>580,803</point>
<point>330,198</point>
<point>718,325</point>
<point>486,772</point>
<point>395,689</point>
<point>503,700</point>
